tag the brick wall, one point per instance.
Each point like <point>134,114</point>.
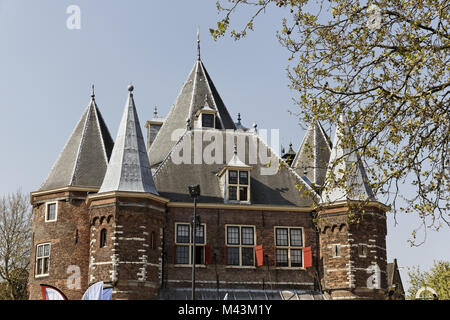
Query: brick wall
<point>69,239</point>
<point>218,274</point>
<point>362,250</point>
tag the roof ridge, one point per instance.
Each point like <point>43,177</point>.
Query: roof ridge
<point>170,153</point>
<point>80,146</point>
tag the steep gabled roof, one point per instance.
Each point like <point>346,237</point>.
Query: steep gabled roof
<point>129,169</point>
<point>191,98</point>
<point>313,156</point>
<point>84,159</point>
<point>346,160</point>
<point>173,177</point>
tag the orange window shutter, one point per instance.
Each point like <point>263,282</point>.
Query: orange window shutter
<point>259,255</point>
<point>207,254</point>
<point>307,256</point>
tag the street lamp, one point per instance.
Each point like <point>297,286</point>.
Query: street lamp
<point>194,191</point>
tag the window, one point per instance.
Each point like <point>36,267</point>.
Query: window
<point>103,238</point>
<point>240,242</point>
<point>208,120</point>
<point>42,259</point>
<point>184,244</point>
<point>152,240</point>
<point>289,247</point>
<point>238,185</point>
<point>336,250</point>
<point>362,249</point>
<point>51,211</point>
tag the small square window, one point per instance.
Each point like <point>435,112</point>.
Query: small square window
<point>247,257</point>
<point>232,193</point>
<point>183,233</point>
<point>233,256</point>
<point>233,235</point>
<point>282,257</point>
<point>208,120</point>
<point>243,177</point>
<point>243,191</point>
<point>232,177</point>
<point>51,212</point>
<point>296,237</point>
<point>182,254</point>
<point>247,236</point>
<point>282,237</point>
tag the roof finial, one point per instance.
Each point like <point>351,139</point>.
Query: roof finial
<point>155,113</point>
<point>239,118</point>
<point>93,92</point>
<point>130,89</point>
<point>235,149</point>
<point>198,43</point>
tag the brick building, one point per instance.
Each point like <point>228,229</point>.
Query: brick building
<point>120,212</point>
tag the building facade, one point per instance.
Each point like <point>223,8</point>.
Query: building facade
<point>120,212</point>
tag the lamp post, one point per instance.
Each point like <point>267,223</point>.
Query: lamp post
<point>194,192</point>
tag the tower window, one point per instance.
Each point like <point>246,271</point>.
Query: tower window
<point>362,249</point>
<point>103,235</point>
<point>42,259</point>
<point>51,211</point>
<point>208,120</point>
<point>336,250</point>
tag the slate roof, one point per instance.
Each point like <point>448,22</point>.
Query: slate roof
<point>191,98</point>
<point>129,168</point>
<point>313,154</point>
<point>84,159</point>
<point>173,176</point>
<point>357,182</point>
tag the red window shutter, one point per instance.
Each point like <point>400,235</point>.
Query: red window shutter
<point>259,255</point>
<point>307,257</point>
<point>207,254</point>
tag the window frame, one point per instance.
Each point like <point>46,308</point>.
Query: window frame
<point>189,244</point>
<point>362,250</point>
<point>105,244</point>
<point>47,204</point>
<point>201,119</point>
<point>334,253</point>
<point>240,245</point>
<point>41,260</point>
<point>289,247</point>
<point>237,185</point>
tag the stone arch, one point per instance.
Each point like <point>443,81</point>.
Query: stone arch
<point>108,220</point>
<point>342,227</point>
<point>102,219</point>
<point>334,228</point>
<point>95,221</point>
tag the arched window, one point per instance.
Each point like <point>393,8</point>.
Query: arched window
<point>103,238</point>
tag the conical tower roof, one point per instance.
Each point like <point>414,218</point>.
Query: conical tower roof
<point>313,155</point>
<point>197,87</point>
<point>84,159</point>
<point>129,169</point>
<point>346,160</point>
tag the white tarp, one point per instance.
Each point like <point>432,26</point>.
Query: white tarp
<point>52,294</point>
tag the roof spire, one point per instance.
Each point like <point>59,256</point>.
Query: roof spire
<point>198,43</point>
<point>155,113</point>
<point>239,118</point>
<point>93,92</point>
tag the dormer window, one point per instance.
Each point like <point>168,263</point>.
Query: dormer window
<point>206,117</point>
<point>208,120</point>
<point>235,177</point>
<point>238,185</point>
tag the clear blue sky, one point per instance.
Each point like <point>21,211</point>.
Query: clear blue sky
<point>46,71</point>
